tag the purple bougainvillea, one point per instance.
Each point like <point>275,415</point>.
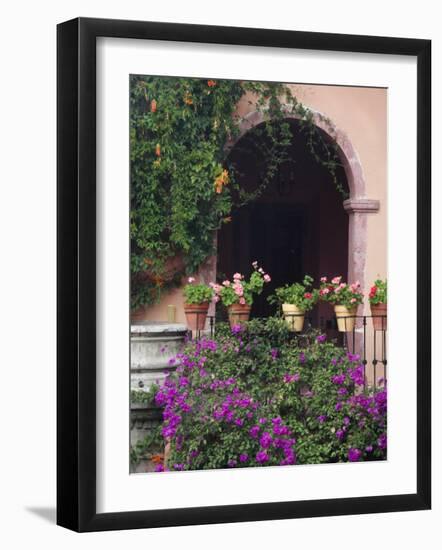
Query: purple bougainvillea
<point>252,397</point>
<point>354,454</point>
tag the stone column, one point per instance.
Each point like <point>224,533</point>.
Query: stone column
<point>358,209</point>
<point>152,346</point>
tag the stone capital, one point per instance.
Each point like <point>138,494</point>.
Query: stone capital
<point>360,205</point>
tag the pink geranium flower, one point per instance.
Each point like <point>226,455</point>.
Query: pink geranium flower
<point>191,280</point>
<point>238,288</point>
<point>267,278</point>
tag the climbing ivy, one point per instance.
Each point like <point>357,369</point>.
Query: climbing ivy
<point>184,184</point>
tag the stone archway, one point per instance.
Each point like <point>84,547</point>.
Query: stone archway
<point>357,206</point>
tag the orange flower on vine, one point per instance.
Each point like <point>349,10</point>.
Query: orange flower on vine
<point>158,280</point>
<point>211,83</point>
<point>221,181</point>
<point>158,458</point>
<point>188,99</point>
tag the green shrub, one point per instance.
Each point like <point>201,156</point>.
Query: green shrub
<point>304,296</point>
<point>378,292</point>
<point>197,293</point>
<point>254,396</point>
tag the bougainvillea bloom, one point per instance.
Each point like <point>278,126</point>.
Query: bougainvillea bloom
<point>382,441</point>
<point>354,454</point>
<point>338,379</point>
<point>219,411</point>
<point>254,431</point>
<point>290,378</point>
<point>265,440</point>
<point>262,456</point>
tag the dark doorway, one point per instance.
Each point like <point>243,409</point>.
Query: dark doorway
<point>297,226</point>
<point>271,236</point>
<point>276,238</point>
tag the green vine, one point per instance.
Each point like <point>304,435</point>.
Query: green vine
<point>184,184</point>
<point>149,445</point>
<point>152,443</point>
<point>143,397</point>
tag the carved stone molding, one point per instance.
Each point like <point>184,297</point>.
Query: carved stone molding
<point>364,206</point>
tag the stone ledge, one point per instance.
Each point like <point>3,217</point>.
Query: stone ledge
<point>166,337</point>
<point>153,367</point>
<point>156,328</point>
<point>366,206</point>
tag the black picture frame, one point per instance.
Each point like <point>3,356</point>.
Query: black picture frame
<point>76,274</point>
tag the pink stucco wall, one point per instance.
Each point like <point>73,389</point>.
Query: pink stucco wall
<point>360,114</point>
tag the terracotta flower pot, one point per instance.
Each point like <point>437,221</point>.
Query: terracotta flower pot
<point>294,317</point>
<point>379,316</point>
<point>238,313</point>
<point>196,315</point>
<point>345,318</point>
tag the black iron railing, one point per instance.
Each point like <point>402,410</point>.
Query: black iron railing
<point>363,335</point>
